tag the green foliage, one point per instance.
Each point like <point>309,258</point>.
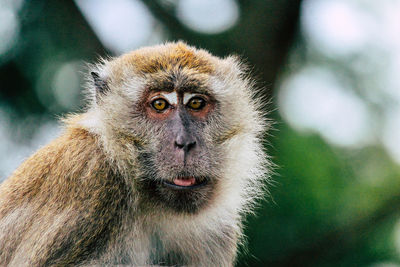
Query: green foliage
<point>325,211</point>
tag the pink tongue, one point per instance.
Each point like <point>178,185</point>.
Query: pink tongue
<point>185,182</point>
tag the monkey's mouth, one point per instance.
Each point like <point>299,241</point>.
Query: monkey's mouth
<point>183,183</point>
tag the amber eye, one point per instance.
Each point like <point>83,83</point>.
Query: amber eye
<point>160,104</point>
<point>196,103</point>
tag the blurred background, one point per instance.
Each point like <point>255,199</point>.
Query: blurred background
<point>331,68</point>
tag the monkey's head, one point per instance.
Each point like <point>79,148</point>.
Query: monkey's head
<point>180,123</point>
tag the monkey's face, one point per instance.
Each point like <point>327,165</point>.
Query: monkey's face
<point>179,122</point>
<point>179,156</point>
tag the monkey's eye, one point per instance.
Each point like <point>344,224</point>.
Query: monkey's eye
<point>160,104</point>
<point>196,103</point>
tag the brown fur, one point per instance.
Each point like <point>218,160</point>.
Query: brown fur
<point>48,185</point>
<point>154,59</point>
<point>93,195</point>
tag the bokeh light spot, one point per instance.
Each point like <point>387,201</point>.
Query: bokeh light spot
<point>121,25</point>
<point>9,29</point>
<point>335,26</point>
<point>66,85</point>
<point>313,100</point>
<point>208,16</point>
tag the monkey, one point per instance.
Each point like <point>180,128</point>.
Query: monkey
<point>160,168</point>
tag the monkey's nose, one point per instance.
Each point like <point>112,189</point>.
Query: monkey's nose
<point>184,144</point>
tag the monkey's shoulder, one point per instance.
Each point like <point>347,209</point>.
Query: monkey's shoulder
<point>62,163</point>
<point>61,204</point>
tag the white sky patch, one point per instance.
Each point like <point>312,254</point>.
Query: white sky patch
<point>388,18</point>
<point>9,27</point>
<point>121,25</point>
<point>335,26</point>
<point>208,16</point>
<point>314,100</point>
<point>391,81</point>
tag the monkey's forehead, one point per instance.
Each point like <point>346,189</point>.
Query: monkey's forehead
<point>167,57</point>
<point>180,80</point>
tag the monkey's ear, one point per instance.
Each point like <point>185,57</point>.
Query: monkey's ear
<point>100,84</point>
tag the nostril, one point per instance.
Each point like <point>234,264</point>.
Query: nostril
<point>179,145</point>
<point>191,145</point>
<point>185,146</point>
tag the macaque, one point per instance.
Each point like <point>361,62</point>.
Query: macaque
<point>160,168</point>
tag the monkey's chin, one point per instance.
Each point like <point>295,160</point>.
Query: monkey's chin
<point>190,183</point>
<point>182,195</point>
